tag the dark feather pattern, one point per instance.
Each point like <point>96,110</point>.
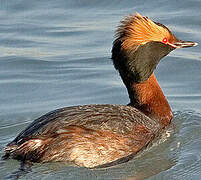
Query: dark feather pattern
<point>113,128</point>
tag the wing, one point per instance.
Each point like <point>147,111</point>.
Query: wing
<point>90,136</point>
<point>115,118</point>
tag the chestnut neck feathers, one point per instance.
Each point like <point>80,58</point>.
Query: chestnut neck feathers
<point>139,45</point>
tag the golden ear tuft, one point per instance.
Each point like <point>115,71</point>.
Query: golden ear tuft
<point>136,30</point>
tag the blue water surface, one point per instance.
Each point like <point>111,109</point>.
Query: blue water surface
<point>56,53</point>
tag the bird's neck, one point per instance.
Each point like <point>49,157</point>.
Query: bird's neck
<point>149,98</point>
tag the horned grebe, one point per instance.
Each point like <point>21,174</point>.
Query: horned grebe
<point>105,135</point>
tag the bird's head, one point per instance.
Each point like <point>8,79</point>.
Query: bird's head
<point>140,44</point>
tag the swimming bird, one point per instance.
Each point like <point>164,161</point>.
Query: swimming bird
<point>106,135</point>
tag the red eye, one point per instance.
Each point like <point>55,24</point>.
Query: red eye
<point>165,40</point>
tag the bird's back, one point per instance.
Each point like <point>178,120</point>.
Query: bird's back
<point>89,135</point>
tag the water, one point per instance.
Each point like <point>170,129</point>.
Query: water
<point>57,53</point>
